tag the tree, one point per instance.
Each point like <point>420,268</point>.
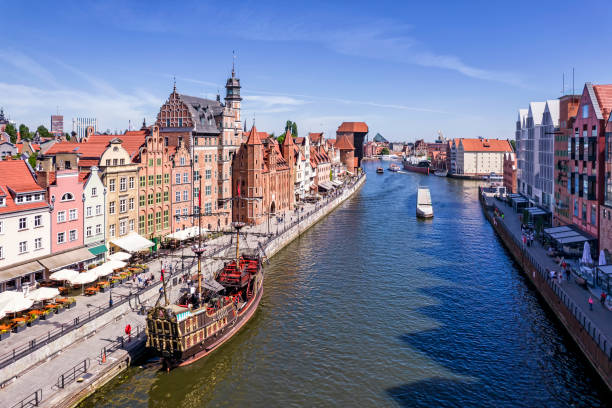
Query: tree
<point>12,132</point>
<point>43,132</point>
<point>32,160</point>
<point>513,144</point>
<point>292,126</point>
<point>281,139</point>
<point>384,151</point>
<point>24,132</point>
<point>67,136</point>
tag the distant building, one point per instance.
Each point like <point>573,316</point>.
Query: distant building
<point>355,132</point>
<point>396,147</point>
<point>80,125</point>
<point>420,148</point>
<point>57,125</point>
<point>510,172</point>
<point>379,139</point>
<point>3,120</point>
<point>476,158</point>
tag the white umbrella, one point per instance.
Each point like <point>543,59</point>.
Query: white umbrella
<point>82,278</point>
<point>9,295</point>
<point>586,254</point>
<point>602,258</point>
<point>63,275</point>
<point>120,256</point>
<point>102,270</point>
<point>41,294</point>
<point>18,304</point>
<point>114,264</point>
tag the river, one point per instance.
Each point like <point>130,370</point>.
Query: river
<point>372,307</point>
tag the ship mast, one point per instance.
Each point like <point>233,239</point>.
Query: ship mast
<point>200,241</point>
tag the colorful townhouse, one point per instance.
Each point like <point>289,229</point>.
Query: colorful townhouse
<point>94,217</point>
<point>181,190</point>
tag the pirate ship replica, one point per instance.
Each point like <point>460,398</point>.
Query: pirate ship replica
<point>203,319</point>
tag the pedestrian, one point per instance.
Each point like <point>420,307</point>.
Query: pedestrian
<point>602,298</point>
<point>110,302</point>
<point>591,302</point>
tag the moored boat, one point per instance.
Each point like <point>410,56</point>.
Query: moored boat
<point>380,170</point>
<point>441,173</point>
<point>424,208</point>
<point>394,167</point>
<point>207,316</point>
<point>417,165</point>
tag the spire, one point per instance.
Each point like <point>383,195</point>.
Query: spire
<point>288,138</point>
<point>253,138</point>
<point>233,64</point>
<point>174,86</point>
<point>144,123</point>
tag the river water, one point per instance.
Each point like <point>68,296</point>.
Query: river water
<point>372,307</point>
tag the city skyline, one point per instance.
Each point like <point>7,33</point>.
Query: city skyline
<point>318,65</point>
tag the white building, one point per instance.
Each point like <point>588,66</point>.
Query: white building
<point>521,139</point>
<point>477,158</point>
<point>94,194</point>
<point>25,225</point>
<point>80,125</point>
<point>546,153</point>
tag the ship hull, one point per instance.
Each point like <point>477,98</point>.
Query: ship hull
<point>416,169</point>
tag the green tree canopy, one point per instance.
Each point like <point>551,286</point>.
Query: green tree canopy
<point>32,160</point>
<point>43,132</point>
<point>67,136</point>
<point>12,132</point>
<point>24,132</point>
<point>292,126</point>
<point>513,143</point>
<point>385,151</point>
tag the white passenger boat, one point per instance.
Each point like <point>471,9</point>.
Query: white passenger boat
<point>424,208</point>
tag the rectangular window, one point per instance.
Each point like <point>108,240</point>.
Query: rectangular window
<point>37,221</point>
<point>151,180</point>
<point>208,190</point>
<point>132,181</point>
<point>2,226</point>
<point>166,196</point>
<point>72,214</point>
<point>88,231</point>
<point>177,214</point>
<point>186,178</point>
<point>150,199</point>
<point>122,227</point>
<point>177,178</point>
<point>585,111</point>
<point>150,162</point>
<point>180,122</point>
<point>111,230</point>
<point>158,220</point>
<point>158,198</point>
<point>73,235</point>
<point>142,181</point>
<point>150,222</point>
<point>1,252</point>
<point>177,196</point>
<point>94,191</point>
<point>159,179</point>
<point>167,122</point>
<point>166,219</point>
<point>99,209</point>
<point>61,237</point>
<point>208,174</point>
<point>196,192</point>
<point>141,224</point>
<point>131,205</point>
<point>98,229</point>
<point>38,243</point>
<point>23,247</point>
<point>111,185</point>
<point>196,175</point>
<point>88,212</point>
<point>195,158</point>
<point>23,223</point>
<point>122,206</point>
<point>184,211</point>
<point>575,208</point>
<point>593,215</point>
<point>61,217</point>
<point>182,161</point>
<point>141,200</point>
<point>122,184</point>
<point>132,224</point>
<point>185,195</point>
<point>584,212</point>
<point>167,178</point>
<point>159,161</point>
<point>111,207</point>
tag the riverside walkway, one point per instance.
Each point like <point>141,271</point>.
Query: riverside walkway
<point>40,383</point>
<point>591,329</point>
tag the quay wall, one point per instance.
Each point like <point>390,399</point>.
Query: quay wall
<point>593,343</point>
<point>271,247</point>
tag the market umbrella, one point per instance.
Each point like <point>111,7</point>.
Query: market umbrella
<point>586,254</point>
<point>40,294</point>
<point>602,258</point>
<point>83,278</point>
<point>18,304</point>
<point>102,270</point>
<point>63,275</point>
<point>114,264</point>
<point>120,256</point>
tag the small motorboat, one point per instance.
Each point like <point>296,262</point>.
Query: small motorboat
<point>441,173</point>
<point>380,170</point>
<point>424,208</point>
<point>394,167</point>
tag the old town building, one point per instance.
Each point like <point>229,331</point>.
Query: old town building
<point>181,191</point>
<point>263,178</point>
<point>347,153</point>
<point>355,132</point>
<point>510,172</point>
<point>94,217</point>
<point>568,106</point>
<point>477,158</point>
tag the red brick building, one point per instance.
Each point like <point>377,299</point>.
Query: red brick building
<point>347,153</point>
<point>263,177</point>
<point>510,172</point>
<point>568,106</point>
<point>355,133</point>
<point>181,190</point>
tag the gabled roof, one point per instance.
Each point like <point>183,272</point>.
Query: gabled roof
<point>203,112</point>
<point>315,137</point>
<point>253,137</point>
<point>536,110</point>
<point>552,107</point>
<point>16,177</point>
<point>379,138</point>
<point>359,127</point>
<point>486,145</point>
<point>602,105</point>
<point>344,144</point>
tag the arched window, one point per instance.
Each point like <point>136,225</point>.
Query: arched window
<point>67,197</point>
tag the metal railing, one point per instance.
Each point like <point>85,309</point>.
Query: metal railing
<point>70,375</point>
<point>31,400</point>
<point>119,343</point>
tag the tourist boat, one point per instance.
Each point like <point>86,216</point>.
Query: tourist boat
<point>417,165</point>
<point>424,209</point>
<point>394,167</point>
<point>205,318</point>
<point>441,173</point>
<point>380,170</point>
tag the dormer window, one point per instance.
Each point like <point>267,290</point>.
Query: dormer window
<point>67,197</point>
<point>2,202</point>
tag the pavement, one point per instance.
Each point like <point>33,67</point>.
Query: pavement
<point>600,315</point>
<point>45,375</point>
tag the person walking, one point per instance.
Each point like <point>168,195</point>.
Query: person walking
<point>591,303</point>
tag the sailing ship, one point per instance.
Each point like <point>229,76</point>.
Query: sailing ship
<point>424,209</point>
<point>203,319</point>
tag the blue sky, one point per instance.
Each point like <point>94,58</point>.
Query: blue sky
<point>408,69</point>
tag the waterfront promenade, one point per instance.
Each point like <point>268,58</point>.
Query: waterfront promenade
<point>591,329</point>
<point>40,380</point>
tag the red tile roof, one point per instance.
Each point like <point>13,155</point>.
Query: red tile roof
<point>253,137</point>
<point>486,145</point>
<point>604,98</point>
<point>331,142</point>
<point>16,176</point>
<point>359,127</point>
<point>315,137</point>
<point>344,144</point>
<point>83,176</point>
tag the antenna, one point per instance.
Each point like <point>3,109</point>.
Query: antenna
<point>563,91</point>
<point>233,62</point>
<point>573,91</point>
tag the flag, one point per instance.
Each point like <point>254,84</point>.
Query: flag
<point>199,198</point>
<point>238,190</point>
<point>161,278</point>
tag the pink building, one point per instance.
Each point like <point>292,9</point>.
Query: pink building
<point>65,193</point>
<point>181,189</point>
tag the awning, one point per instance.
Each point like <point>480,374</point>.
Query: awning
<point>336,183</point>
<point>554,230</point>
<point>572,240</point>
<point>565,234</point>
<point>133,243</point>
<point>187,233</point>
<point>66,258</point>
<point>325,186</point>
<point>13,272</point>
<point>97,250</point>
